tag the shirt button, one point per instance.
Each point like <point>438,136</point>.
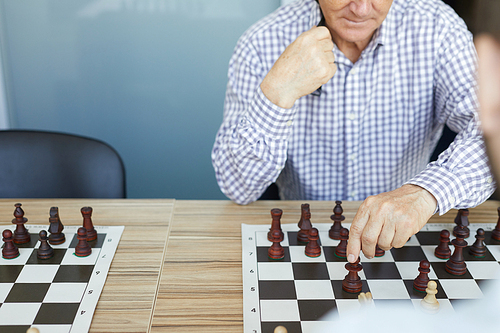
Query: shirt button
<point>289,123</point>
<point>352,157</point>
<point>353,71</point>
<point>451,200</point>
<point>353,194</point>
<point>489,180</point>
<point>351,116</point>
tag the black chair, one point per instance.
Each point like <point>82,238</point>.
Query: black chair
<point>40,164</point>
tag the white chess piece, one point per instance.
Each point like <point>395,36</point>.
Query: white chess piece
<point>430,304</point>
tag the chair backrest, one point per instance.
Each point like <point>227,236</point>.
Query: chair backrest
<point>39,164</point>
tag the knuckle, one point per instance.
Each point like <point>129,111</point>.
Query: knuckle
<point>368,239</point>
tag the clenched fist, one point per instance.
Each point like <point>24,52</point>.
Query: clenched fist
<point>305,65</point>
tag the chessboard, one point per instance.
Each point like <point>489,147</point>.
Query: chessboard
<point>58,294</point>
<point>305,294</point>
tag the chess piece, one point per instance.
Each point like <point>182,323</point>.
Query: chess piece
<point>56,227</point>
<point>379,252</point>
<point>341,249</point>
<point>21,234</point>
<point>276,251</point>
<point>280,329</point>
<point>32,330</point>
<point>83,248</point>
<point>462,224</point>
<point>304,224</point>
<point>421,281</point>
<point>275,224</point>
<point>443,251</point>
<point>44,250</point>
<point>87,223</point>
<point>9,250</point>
<point>496,232</point>
<point>478,249</point>
<point>430,304</point>
<point>337,219</point>
<point>352,281</point>
<point>365,299</point>
<point>312,248</point>
<point>456,264</point>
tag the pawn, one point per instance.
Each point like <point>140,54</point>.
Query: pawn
<point>379,252</point>
<point>312,248</point>
<point>32,330</point>
<point>352,282</point>
<point>341,249</point>
<point>430,304</point>
<point>83,248</point>
<point>478,249</point>
<point>421,281</point>
<point>45,251</point>
<point>9,250</point>
<point>443,251</point>
<point>280,329</point>
<point>276,251</point>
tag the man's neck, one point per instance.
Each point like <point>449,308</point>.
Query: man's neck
<point>352,50</point>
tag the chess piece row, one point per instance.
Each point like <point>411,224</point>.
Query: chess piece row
<point>21,235</point>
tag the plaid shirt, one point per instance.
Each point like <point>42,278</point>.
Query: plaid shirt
<point>375,124</point>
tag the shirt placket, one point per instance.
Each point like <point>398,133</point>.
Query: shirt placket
<point>353,108</point>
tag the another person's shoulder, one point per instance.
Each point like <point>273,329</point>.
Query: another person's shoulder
<point>284,21</point>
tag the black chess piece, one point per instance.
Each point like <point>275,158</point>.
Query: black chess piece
<point>9,250</point>
<point>275,224</point>
<point>420,282</point>
<point>478,249</point>
<point>21,234</point>
<point>56,227</point>
<point>45,251</point>
<point>337,219</point>
<point>276,251</point>
<point>312,248</point>
<point>304,224</point>
<point>87,223</point>
<point>352,282</point>
<point>462,224</point>
<point>341,249</point>
<point>379,252</point>
<point>83,248</point>
<point>443,251</point>
<point>456,264</point>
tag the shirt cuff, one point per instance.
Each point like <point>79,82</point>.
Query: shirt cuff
<point>273,121</point>
<point>444,185</point>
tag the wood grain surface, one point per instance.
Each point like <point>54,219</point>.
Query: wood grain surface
<point>201,283</point>
<point>127,300</point>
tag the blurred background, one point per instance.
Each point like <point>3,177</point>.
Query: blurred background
<point>146,76</point>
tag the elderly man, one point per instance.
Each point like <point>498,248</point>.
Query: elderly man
<point>352,110</point>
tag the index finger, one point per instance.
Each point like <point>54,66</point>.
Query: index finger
<point>355,232</point>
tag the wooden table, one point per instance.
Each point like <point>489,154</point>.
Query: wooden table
<point>201,284</point>
<point>127,300</point>
<point>178,265</point>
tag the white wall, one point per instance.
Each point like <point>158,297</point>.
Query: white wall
<point>4,115</point>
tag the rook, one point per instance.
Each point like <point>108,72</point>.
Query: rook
<point>275,224</point>
<point>87,223</point>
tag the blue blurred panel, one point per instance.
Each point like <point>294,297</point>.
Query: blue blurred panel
<point>146,76</point>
